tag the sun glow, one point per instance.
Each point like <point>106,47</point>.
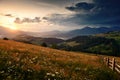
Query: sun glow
<point>10,26</point>
<point>8,23</point>
<point>13,27</point>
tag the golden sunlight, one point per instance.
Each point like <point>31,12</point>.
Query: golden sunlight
<point>10,26</point>
<point>13,27</point>
<point>9,23</point>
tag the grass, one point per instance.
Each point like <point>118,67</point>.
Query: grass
<point>20,61</point>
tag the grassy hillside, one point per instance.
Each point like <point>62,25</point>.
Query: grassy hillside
<point>111,35</point>
<point>20,61</point>
<point>106,44</point>
<point>114,36</point>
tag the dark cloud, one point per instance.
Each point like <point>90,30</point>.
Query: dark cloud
<point>99,6</point>
<point>17,20</point>
<point>84,6</point>
<point>27,20</point>
<point>108,7</point>
<point>61,3</point>
<point>9,15</point>
<point>45,18</point>
<point>60,19</point>
<point>104,12</point>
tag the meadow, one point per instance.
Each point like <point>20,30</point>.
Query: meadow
<point>20,61</point>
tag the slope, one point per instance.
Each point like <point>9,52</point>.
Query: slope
<point>106,43</point>
<point>37,40</point>
<point>20,61</point>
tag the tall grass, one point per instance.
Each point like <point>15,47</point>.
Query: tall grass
<point>19,61</point>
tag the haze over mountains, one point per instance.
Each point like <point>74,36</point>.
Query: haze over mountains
<point>77,32</point>
<point>5,32</point>
<point>37,40</point>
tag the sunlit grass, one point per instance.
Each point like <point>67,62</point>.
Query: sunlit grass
<point>37,62</point>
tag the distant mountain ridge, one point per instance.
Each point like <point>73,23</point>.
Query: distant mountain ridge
<point>37,40</point>
<point>78,32</point>
<point>101,40</point>
<point>92,31</point>
<point>59,34</point>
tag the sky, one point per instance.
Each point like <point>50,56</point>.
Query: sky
<point>62,15</point>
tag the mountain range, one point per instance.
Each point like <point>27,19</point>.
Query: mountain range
<point>37,40</point>
<point>77,32</point>
<point>92,31</point>
<point>101,40</point>
<point>4,32</point>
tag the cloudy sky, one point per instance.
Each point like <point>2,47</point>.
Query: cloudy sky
<point>47,15</point>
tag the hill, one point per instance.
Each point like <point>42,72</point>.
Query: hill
<point>104,43</point>
<point>25,62</point>
<point>111,35</point>
<point>107,44</point>
<point>37,40</point>
<point>5,32</point>
<point>78,32</point>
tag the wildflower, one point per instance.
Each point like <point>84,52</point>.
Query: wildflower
<point>9,62</point>
<point>56,72</point>
<point>48,74</point>
<point>77,69</point>
<point>53,75</point>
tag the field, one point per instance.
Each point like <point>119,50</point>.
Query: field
<point>20,61</point>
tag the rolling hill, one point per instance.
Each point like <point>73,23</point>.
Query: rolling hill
<point>111,35</point>
<point>20,61</point>
<point>77,32</point>
<point>37,40</point>
<point>105,43</point>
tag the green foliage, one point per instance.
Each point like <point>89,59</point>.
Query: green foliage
<point>44,44</point>
<point>54,46</point>
<point>106,44</point>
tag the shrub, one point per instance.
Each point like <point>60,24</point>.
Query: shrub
<point>44,44</point>
<point>5,38</point>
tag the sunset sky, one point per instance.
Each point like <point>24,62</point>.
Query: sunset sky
<point>62,15</point>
